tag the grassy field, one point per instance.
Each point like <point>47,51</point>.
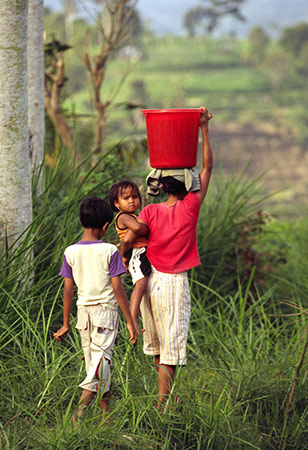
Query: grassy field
<point>183,72</point>
<point>246,346</point>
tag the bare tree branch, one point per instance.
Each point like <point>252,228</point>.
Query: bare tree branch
<point>114,34</point>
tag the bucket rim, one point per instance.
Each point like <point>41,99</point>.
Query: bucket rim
<point>162,111</point>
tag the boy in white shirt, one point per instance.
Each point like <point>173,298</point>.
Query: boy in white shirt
<point>96,268</point>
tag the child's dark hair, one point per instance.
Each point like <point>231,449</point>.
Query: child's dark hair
<point>95,212</point>
<point>172,186</point>
<point>117,189</point>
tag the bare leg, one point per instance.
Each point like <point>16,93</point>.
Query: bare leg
<point>85,400</point>
<point>157,362</point>
<point>165,379</point>
<point>136,297</point>
<point>104,403</point>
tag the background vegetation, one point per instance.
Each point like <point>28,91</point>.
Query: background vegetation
<point>246,339</point>
<point>255,87</point>
<point>246,381</point>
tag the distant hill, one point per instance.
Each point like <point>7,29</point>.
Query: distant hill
<point>167,16</point>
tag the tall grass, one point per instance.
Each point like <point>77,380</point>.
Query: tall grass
<point>230,220</point>
<point>241,363</point>
<point>292,237</point>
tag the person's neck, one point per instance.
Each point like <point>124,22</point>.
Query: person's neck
<point>172,199</point>
<point>91,234</point>
<point>127,212</point>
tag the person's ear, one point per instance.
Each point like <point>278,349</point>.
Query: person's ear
<point>116,204</point>
<point>105,227</point>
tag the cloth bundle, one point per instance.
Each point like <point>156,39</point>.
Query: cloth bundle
<point>190,177</point>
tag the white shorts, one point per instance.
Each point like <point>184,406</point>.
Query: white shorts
<point>165,312</point>
<point>98,328</point>
<point>139,266</point>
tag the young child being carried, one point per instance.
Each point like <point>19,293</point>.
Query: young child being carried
<point>96,269</point>
<point>124,197</point>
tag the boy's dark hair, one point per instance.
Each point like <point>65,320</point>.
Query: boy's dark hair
<point>95,212</point>
<point>172,186</point>
<point>117,189</point>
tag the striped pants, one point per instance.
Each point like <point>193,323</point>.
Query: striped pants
<point>165,312</point>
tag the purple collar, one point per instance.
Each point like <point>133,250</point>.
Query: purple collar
<point>89,242</point>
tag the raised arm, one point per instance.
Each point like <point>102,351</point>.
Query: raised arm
<point>68,294</point>
<point>207,156</point>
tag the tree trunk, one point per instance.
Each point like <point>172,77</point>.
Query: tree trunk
<point>36,84</point>
<point>53,103</point>
<point>15,166</point>
<point>100,129</point>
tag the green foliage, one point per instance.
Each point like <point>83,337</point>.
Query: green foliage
<point>293,38</point>
<point>279,67</point>
<point>258,41</point>
<point>54,24</point>
<point>258,38</point>
<point>195,71</point>
<point>302,63</point>
<point>204,71</point>
<point>292,237</point>
<point>241,359</point>
<point>295,41</point>
<point>230,396</point>
<point>55,225</point>
<point>231,222</point>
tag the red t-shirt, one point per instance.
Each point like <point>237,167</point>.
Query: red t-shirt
<point>172,246</point>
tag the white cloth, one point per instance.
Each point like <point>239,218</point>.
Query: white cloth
<point>98,329</point>
<point>139,266</point>
<point>190,177</point>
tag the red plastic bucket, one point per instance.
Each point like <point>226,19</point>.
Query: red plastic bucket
<point>172,137</point>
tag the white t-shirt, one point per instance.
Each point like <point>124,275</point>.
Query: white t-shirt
<point>92,264</point>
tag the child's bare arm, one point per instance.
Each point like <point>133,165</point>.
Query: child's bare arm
<point>207,156</point>
<point>127,242</point>
<point>133,224</point>
<point>120,295</point>
<point>68,293</point>
<point>131,234</point>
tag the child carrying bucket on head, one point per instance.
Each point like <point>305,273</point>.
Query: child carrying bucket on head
<point>124,197</point>
<point>172,251</point>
